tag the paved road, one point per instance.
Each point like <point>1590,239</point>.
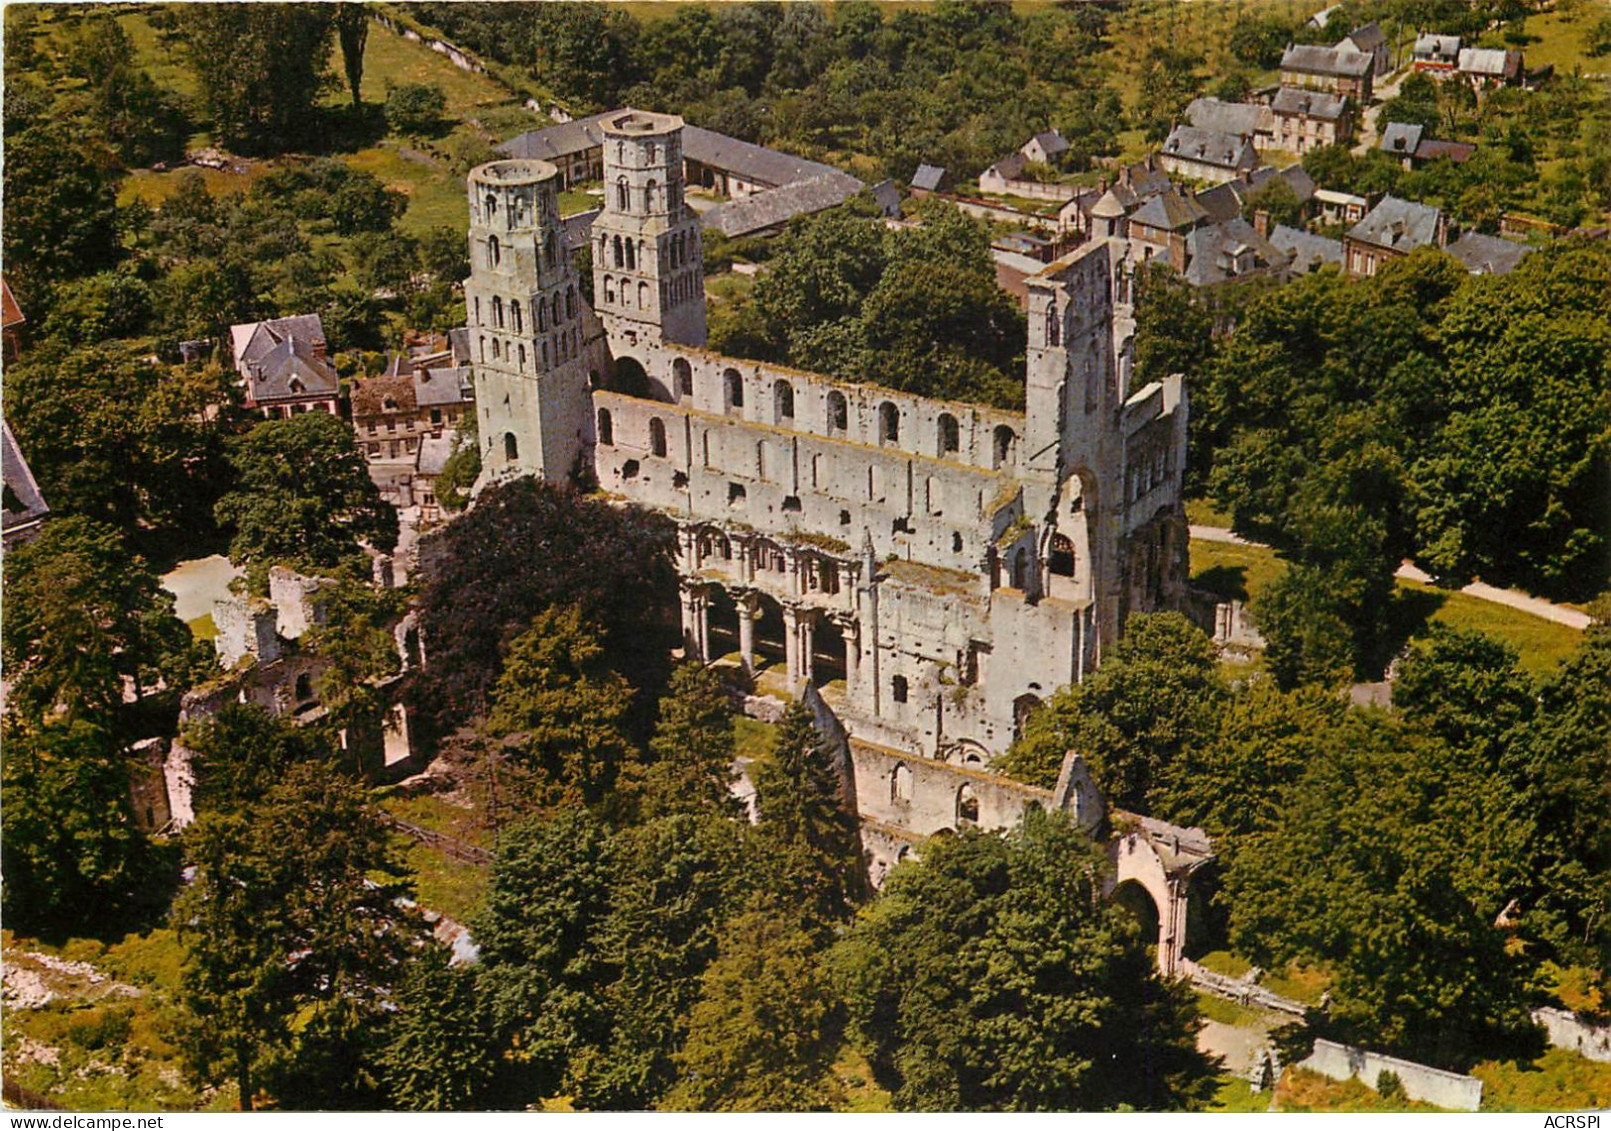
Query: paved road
<point>1510,598</point>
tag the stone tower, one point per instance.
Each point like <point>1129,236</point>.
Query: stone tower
<point>648,277</point>
<point>526,324</point>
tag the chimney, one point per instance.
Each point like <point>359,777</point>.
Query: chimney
<point>1261,222</point>
<point>1124,175</point>
<point>1177,252</point>
<point>1101,186</point>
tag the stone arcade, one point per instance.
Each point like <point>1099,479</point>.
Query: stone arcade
<point>926,572</point>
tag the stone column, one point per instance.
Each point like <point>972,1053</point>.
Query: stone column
<point>791,642</point>
<point>749,608</point>
<point>808,643</point>
<point>851,630</point>
<point>695,622</point>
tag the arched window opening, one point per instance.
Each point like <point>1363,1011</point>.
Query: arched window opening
<point>889,424</point>
<point>304,687</point>
<point>760,460</point>
<point>542,318</point>
<point>900,785</point>
<point>653,150</point>
<point>606,428</point>
<point>494,252</point>
<point>492,207</point>
<point>657,437</point>
<point>495,349</point>
<point>643,296</point>
<point>682,377</point>
<point>950,435</point>
<point>1006,441</point>
<point>1020,569</point>
<point>967,806</point>
<point>570,302</point>
<point>783,401</point>
<point>838,412</point>
<point>478,321</point>
<point>511,447</point>
<point>1054,326</point>
<point>733,388</point>
<point>631,256</point>
<point>553,308</point>
<point>514,316</point>
<point>623,195</point>
<point>522,358</point>
<point>1061,560</point>
<point>1023,708</point>
<point>649,196</point>
<point>609,289</point>
<point>898,689</point>
<point>497,311</point>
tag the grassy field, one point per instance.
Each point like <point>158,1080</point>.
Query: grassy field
<point>752,738</point>
<point>1561,38</point>
<point>1557,1081</point>
<point>1236,1094</point>
<point>1301,1090</point>
<point>105,1038</point>
<point>1238,573</point>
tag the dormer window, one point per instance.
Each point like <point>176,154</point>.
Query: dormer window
<point>297,386</point>
<point>389,404</point>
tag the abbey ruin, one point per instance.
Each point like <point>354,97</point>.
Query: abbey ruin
<point>935,569</point>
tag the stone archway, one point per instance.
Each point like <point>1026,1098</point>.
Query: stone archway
<point>1158,859</point>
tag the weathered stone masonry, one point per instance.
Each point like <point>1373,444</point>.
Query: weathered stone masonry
<point>935,569</point>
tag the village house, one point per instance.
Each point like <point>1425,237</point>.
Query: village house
<point>22,506</point>
<point>1436,54</point>
<point>1229,251</point>
<point>1160,226</point>
<point>768,211</point>
<point>1340,207</point>
<point>1407,143</point>
<point>1006,178</point>
<point>1046,147</point>
<point>1370,40</point>
<point>391,413</point>
<point>1206,155</point>
<point>1344,73</point>
<point>931,178</point>
<point>1487,68</point>
<point>1487,255</point>
<point>1305,251</point>
<point>1306,120</point>
<point>1251,120</point>
<point>1100,214</point>
<point>284,366</point>
<point>1392,230</point>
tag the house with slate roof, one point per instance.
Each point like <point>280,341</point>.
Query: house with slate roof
<point>1344,73</point>
<point>1244,119</point>
<point>1400,141</point>
<point>1370,40</point>
<point>1046,147</point>
<point>1306,120</point>
<point>22,507</point>
<point>1487,255</point>
<point>1437,54</point>
<point>1160,226</point>
<point>1206,155</point>
<point>931,178</point>
<point>1485,68</point>
<point>391,413</point>
<point>284,366</point>
<point>1392,230</point>
<point>1306,251</point>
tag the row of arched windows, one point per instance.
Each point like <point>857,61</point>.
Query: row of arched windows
<point>622,295</point>
<point>657,433</point>
<point>652,196</point>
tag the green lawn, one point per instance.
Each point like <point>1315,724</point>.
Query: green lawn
<point>1302,1090</point>
<point>1238,573</point>
<point>1228,1012</point>
<point>203,628</point>
<point>1562,39</point>
<point>390,60</point>
<point>1235,1094</point>
<point>1557,1081</point>
<point>752,738</point>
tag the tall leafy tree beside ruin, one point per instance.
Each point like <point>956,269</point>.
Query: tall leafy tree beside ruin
<point>763,1034</point>
<point>293,956</point>
<point>72,854</point>
<point>352,31</point>
<point>82,615</point>
<point>692,765</point>
<point>991,976</point>
<point>563,710</point>
<point>303,497</point>
<point>807,833</point>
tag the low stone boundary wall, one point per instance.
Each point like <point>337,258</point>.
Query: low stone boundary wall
<point>1240,990</point>
<point>1421,1082</point>
<point>1567,1030</point>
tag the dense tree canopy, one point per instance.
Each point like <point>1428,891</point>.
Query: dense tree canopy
<point>262,68</point>
<point>989,975</point>
<point>303,497</point>
<point>527,547</point>
<point>913,309</point>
